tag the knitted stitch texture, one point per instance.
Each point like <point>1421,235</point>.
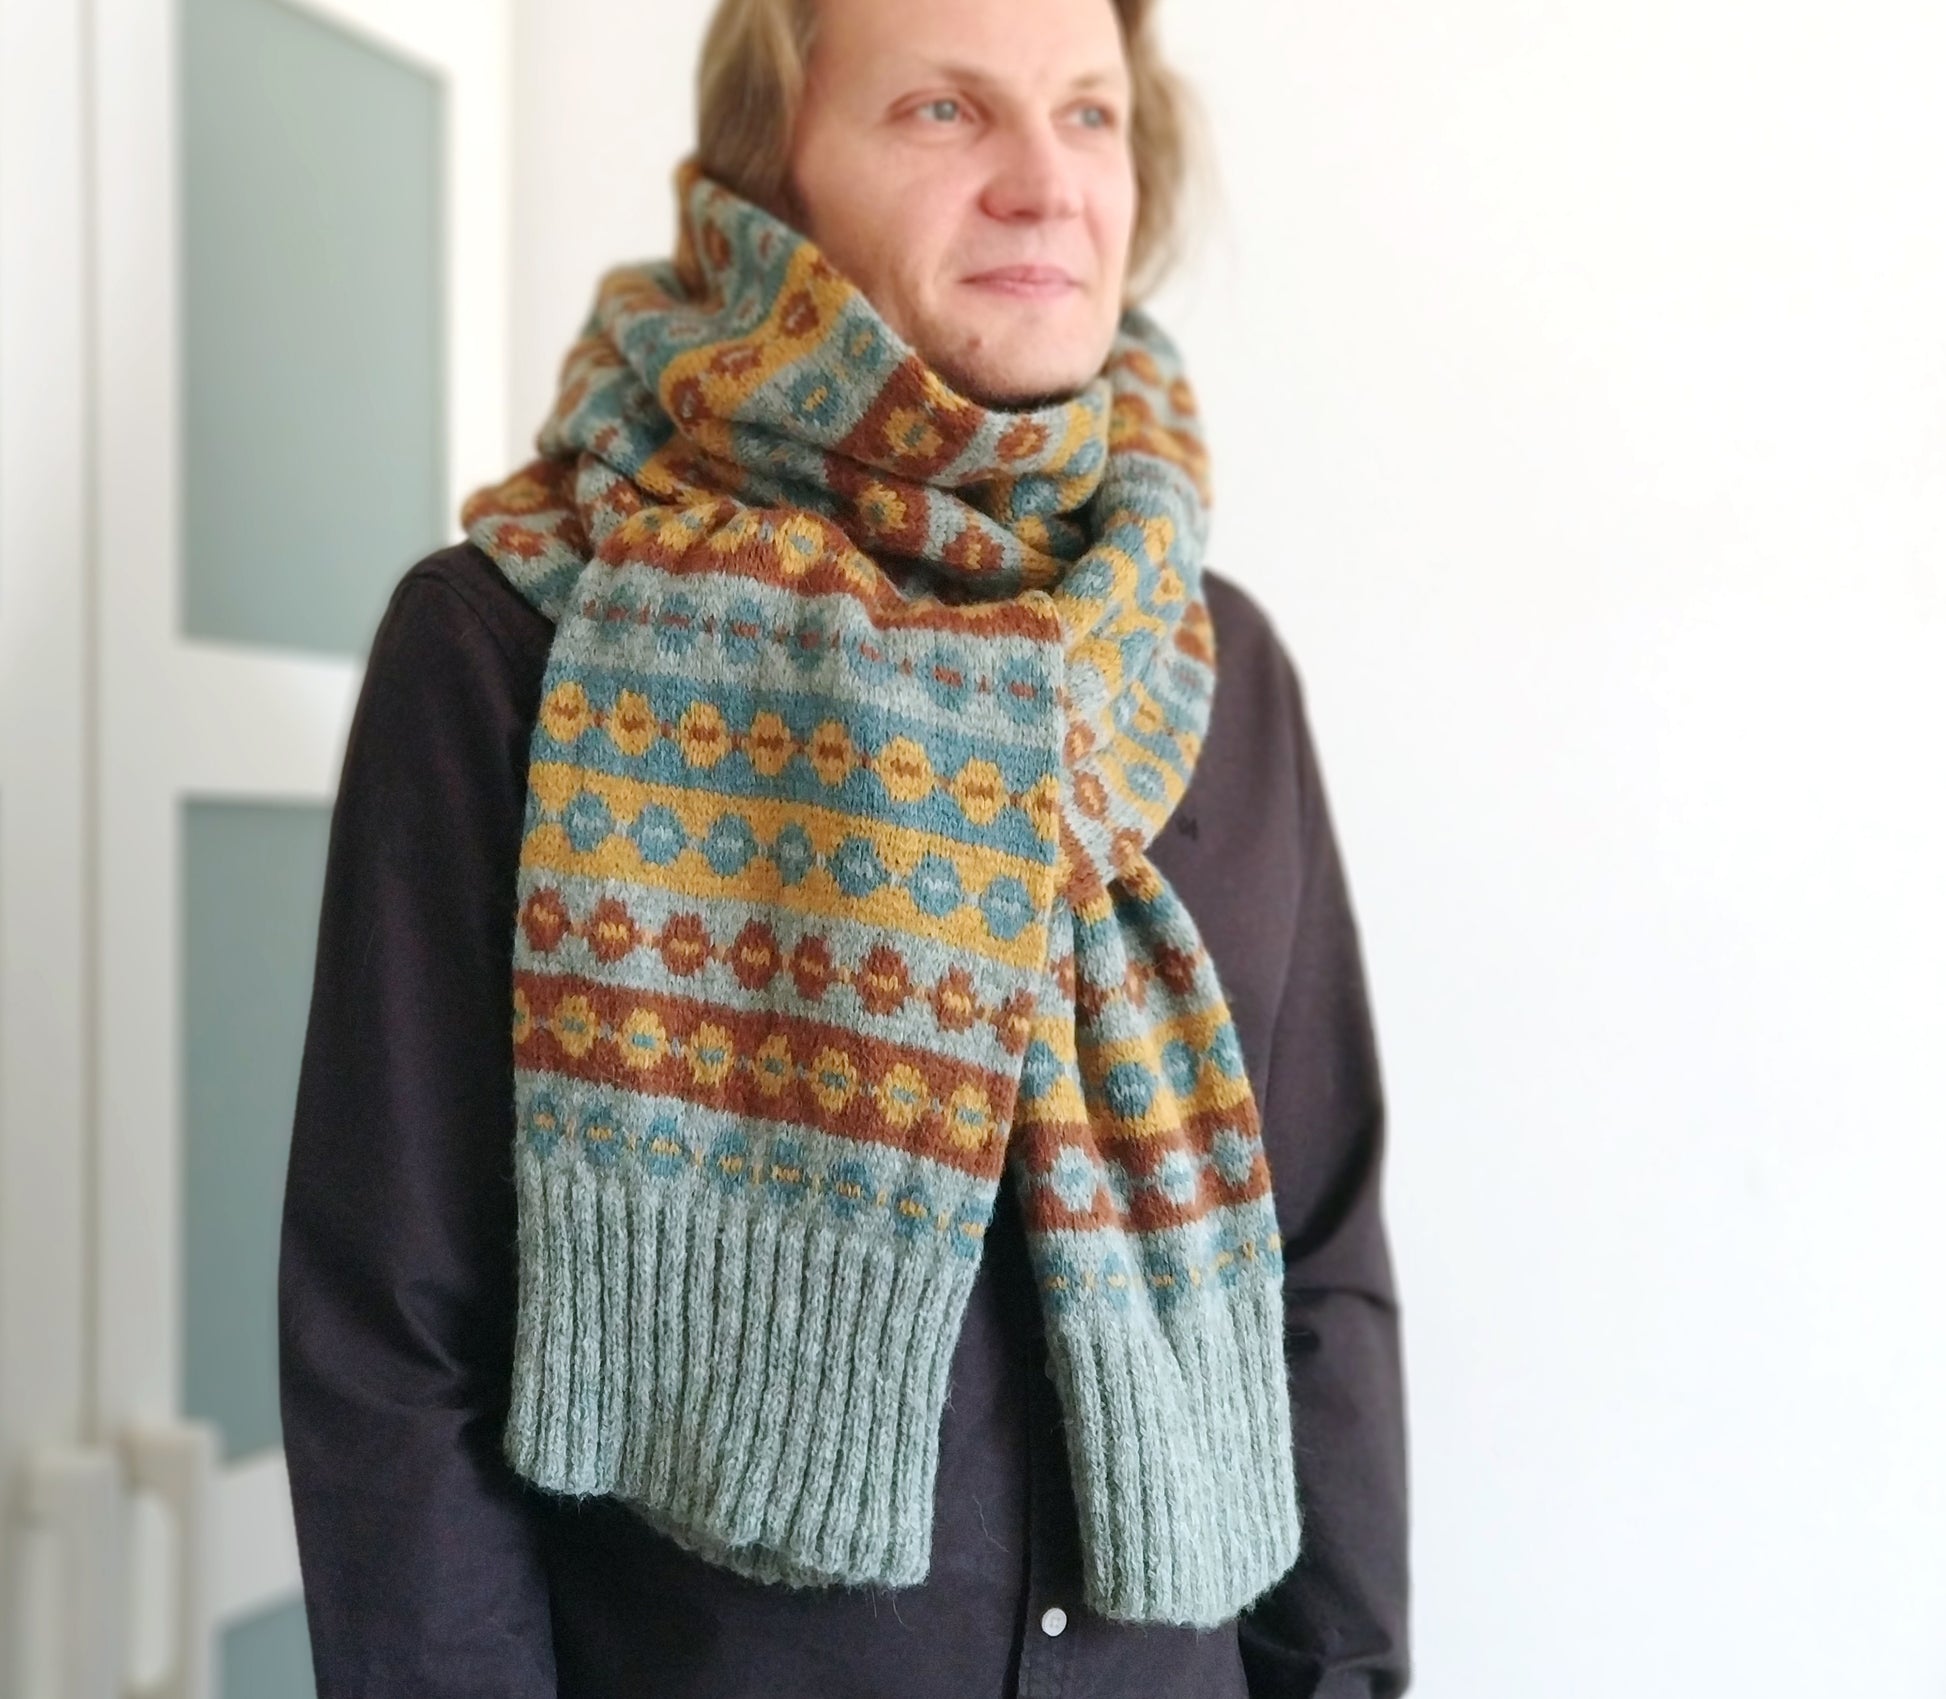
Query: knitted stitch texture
<point>863,705</point>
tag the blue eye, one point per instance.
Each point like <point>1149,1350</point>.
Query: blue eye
<point>945,103</point>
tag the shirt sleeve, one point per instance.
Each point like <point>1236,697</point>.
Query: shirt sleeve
<point>420,1549</point>
<point>1335,1627</point>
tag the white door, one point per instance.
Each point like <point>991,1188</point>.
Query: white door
<point>299,364</point>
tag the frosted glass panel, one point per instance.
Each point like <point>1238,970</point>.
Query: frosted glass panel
<point>313,326</point>
<point>269,1657</point>
<point>253,876</point>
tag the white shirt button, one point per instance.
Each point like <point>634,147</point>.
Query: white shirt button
<point>1053,1620</point>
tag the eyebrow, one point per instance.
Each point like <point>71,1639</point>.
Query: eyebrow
<point>1107,77</point>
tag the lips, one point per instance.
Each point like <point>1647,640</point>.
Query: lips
<point>1024,283</point>
<point>1026,277</point>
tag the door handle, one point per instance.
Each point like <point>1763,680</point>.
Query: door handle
<point>177,1463</point>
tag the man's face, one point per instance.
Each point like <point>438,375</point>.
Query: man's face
<point>966,163</point>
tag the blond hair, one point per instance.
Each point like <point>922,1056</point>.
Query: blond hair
<point>751,79</point>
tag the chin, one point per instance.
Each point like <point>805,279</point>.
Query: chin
<point>1026,393</point>
<point>1018,356</point>
<point>1020,378</point>
<point>1014,391</point>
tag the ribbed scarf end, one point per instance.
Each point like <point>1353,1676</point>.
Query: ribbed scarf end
<point>1180,1446</point>
<point>766,1392</point>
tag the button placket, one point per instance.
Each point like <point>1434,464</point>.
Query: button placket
<point>1047,1655</point>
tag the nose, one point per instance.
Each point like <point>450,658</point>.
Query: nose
<point>1034,177</point>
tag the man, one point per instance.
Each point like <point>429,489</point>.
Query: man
<point>828,823</point>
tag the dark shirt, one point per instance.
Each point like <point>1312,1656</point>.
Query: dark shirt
<point>431,1571</point>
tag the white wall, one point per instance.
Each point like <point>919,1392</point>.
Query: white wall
<point>603,109</point>
<point>1578,392</point>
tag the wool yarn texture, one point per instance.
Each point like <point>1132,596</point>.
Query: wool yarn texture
<point>864,703</point>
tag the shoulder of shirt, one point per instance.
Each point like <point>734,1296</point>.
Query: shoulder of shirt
<point>1248,646</point>
<point>469,591</point>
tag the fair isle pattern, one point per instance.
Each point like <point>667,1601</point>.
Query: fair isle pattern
<point>863,706</point>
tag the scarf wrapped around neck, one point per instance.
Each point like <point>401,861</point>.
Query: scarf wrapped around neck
<point>864,703</point>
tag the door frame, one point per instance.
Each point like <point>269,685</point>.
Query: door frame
<point>183,719</point>
<point>45,784</point>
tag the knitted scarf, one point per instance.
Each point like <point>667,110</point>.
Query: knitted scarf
<point>863,704</point>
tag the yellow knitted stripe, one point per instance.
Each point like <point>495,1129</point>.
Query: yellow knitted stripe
<point>816,894</point>
<point>1170,1110</point>
<point>901,848</point>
